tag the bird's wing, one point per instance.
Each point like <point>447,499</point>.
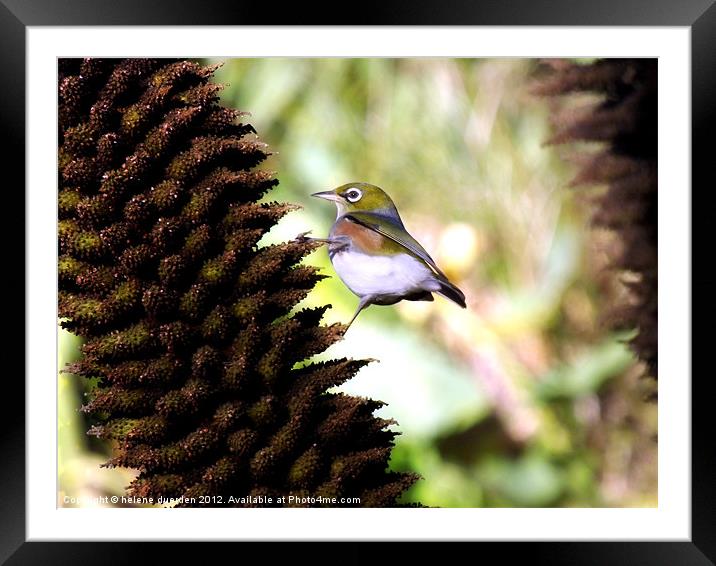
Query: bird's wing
<point>398,234</point>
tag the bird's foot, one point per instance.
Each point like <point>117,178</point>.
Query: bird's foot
<point>303,237</point>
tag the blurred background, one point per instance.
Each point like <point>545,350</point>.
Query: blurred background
<point>525,398</point>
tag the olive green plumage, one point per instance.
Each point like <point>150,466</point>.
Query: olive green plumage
<point>373,253</point>
<point>183,313</point>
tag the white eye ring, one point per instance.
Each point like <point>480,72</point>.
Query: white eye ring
<point>354,195</point>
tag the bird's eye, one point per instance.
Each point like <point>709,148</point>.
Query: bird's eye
<point>354,195</point>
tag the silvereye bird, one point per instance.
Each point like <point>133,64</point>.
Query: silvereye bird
<point>374,255</point>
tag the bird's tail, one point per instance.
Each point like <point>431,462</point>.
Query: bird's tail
<point>450,291</point>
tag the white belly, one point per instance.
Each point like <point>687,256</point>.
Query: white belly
<point>398,275</point>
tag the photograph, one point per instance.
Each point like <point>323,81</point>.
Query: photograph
<point>424,282</point>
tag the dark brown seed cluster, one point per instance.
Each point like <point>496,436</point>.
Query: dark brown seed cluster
<point>186,320</point>
<point>625,119</point>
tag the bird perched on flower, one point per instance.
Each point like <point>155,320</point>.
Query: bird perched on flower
<point>374,255</point>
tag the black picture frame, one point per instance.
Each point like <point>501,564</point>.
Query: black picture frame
<point>699,15</point>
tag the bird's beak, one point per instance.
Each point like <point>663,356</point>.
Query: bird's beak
<point>328,195</point>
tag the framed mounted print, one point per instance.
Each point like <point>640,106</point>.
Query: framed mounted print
<point>409,278</point>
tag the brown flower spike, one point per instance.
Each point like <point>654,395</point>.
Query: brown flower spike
<point>184,317</point>
<point>625,120</point>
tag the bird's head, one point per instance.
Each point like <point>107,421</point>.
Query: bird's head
<point>360,197</point>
